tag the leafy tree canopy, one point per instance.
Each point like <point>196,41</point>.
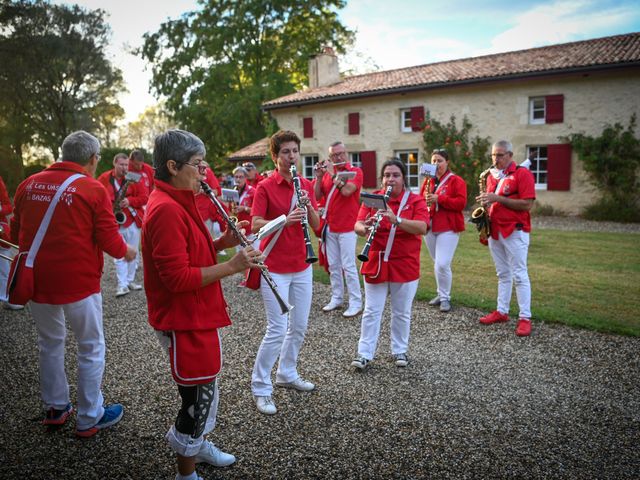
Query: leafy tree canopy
<point>217,65</point>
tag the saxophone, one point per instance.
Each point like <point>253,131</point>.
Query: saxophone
<point>129,178</point>
<point>480,215</point>
<point>427,190</point>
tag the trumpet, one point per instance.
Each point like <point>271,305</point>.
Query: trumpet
<point>284,306</point>
<point>364,254</point>
<point>311,257</point>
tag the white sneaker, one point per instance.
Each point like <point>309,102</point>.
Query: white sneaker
<point>401,359</point>
<point>445,306</point>
<point>352,311</point>
<point>360,363</point>
<point>13,306</point>
<point>298,384</point>
<point>135,286</point>
<point>265,405</point>
<point>331,306</point>
<point>212,455</point>
<point>122,291</point>
<point>435,301</point>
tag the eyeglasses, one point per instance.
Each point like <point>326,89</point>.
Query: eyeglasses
<point>202,168</point>
<point>500,155</point>
<point>337,154</point>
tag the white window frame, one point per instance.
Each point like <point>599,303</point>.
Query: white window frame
<point>355,160</point>
<point>533,109</point>
<point>405,117</point>
<point>308,161</point>
<point>413,168</point>
<point>534,168</point>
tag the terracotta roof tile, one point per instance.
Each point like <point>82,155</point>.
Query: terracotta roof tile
<point>617,50</point>
<point>256,151</point>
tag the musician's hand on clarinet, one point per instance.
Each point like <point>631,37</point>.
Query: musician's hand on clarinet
<point>248,257</point>
<point>295,216</point>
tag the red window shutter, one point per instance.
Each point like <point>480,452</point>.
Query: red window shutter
<point>354,123</point>
<point>554,108</point>
<point>559,167</point>
<point>307,127</point>
<point>417,118</point>
<point>369,174</point>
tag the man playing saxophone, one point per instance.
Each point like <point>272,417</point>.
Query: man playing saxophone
<point>509,197</point>
<point>131,211</point>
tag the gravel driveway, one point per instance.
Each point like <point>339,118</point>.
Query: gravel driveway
<point>474,402</point>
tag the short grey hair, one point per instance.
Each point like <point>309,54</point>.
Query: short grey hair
<point>336,143</point>
<point>178,145</point>
<point>79,147</point>
<point>241,170</point>
<point>504,144</point>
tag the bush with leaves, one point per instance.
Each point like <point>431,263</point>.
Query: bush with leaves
<point>468,156</point>
<point>612,160</point>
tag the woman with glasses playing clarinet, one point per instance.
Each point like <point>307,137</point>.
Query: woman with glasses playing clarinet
<point>446,197</point>
<point>288,260</point>
<point>393,265</point>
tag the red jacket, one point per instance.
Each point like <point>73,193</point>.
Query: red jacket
<point>452,198</point>
<point>136,194</point>
<point>5,210</point>
<point>343,211</point>
<point>175,246</point>
<point>206,208</point>
<point>69,264</point>
<point>147,173</point>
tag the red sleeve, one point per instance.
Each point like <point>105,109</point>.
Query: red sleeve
<point>364,212</point>
<point>213,182</point>
<point>5,201</point>
<point>104,180</point>
<point>526,184</point>
<point>259,207</point>
<point>420,210</point>
<point>15,219</point>
<point>423,187</point>
<point>456,198</point>
<point>169,237</point>
<point>105,227</point>
<point>309,188</point>
<point>151,174</point>
<point>137,195</point>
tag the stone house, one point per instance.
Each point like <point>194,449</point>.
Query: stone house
<point>532,97</point>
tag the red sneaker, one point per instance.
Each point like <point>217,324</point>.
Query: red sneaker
<point>57,417</point>
<point>494,317</point>
<point>524,327</point>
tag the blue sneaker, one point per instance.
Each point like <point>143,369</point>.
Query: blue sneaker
<point>112,415</point>
<point>57,417</point>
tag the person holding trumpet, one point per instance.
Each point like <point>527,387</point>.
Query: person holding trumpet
<point>6,247</point>
<point>287,261</point>
<point>393,265</point>
<point>341,203</point>
<point>446,197</point>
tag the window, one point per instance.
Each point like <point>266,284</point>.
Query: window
<point>538,157</point>
<point>536,110</point>
<point>354,159</point>
<point>308,161</point>
<point>410,159</point>
<point>549,109</point>
<point>405,120</point>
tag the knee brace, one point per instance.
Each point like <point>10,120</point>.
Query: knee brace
<point>196,403</point>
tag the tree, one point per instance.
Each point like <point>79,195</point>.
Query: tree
<point>142,131</point>
<point>612,160</point>
<point>216,66</point>
<point>55,76</point>
<point>468,157</point>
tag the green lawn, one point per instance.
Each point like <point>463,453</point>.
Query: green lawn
<point>588,280</point>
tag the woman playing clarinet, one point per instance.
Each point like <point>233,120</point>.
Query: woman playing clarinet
<point>446,198</point>
<point>393,267</point>
<point>287,260</point>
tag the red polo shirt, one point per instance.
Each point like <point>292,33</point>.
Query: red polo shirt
<point>257,179</point>
<point>517,183</point>
<point>205,206</point>
<point>5,209</point>
<point>404,260</point>
<point>175,245</point>
<point>272,199</point>
<point>343,210</point>
<point>246,201</point>
<point>69,264</point>
<point>147,173</point>
<point>136,194</point>
<point>452,198</point>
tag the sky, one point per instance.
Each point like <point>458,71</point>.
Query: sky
<point>393,34</point>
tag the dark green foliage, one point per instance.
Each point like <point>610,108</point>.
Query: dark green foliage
<point>216,66</point>
<point>612,161</point>
<point>468,156</point>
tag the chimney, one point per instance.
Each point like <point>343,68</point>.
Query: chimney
<point>323,69</point>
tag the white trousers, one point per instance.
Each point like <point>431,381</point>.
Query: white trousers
<point>341,254</point>
<point>375,296</point>
<point>85,320</point>
<point>510,257</point>
<point>285,333</point>
<point>4,272</point>
<point>126,271</point>
<point>442,246</point>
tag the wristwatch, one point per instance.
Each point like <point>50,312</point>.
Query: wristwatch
<point>398,221</point>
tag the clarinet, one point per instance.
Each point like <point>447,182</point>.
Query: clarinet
<point>284,306</point>
<point>311,257</point>
<point>364,255</point>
